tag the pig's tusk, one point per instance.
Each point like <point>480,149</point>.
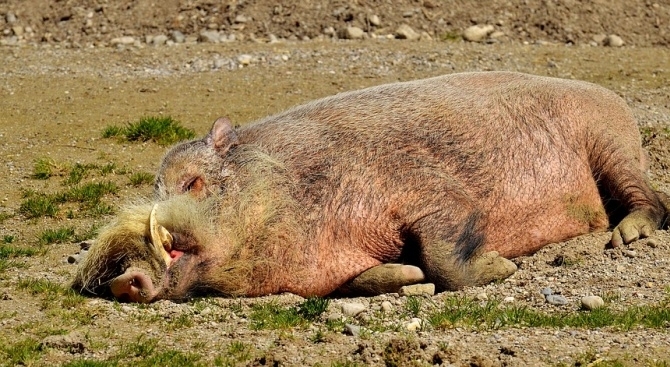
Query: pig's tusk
<point>161,239</point>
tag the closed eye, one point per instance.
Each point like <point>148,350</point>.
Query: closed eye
<point>194,186</point>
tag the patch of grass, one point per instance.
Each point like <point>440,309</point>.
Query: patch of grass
<point>8,238</point>
<point>107,169</point>
<point>170,358</point>
<point>59,235</point>
<point>54,294</point>
<point>313,307</point>
<point>22,352</point>
<point>142,347</point>
<point>77,173</point>
<point>89,363</point>
<point>89,193</point>
<point>43,168</point>
<point>236,352</point>
<point>5,216</point>
<point>463,312</point>
<point>39,206</point>
<point>163,130</point>
<point>182,321</point>
<point>141,178</point>
<point>450,36</point>
<point>413,306</point>
<point>7,252</point>
<point>272,316</point>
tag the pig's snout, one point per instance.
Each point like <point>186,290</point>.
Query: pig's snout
<point>133,286</point>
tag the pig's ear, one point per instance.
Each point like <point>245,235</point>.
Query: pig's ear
<point>222,136</point>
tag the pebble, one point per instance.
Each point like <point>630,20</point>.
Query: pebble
<point>425,36</point>
<point>652,242</point>
<point>353,330</point>
<point>241,19</point>
<point>125,40</point>
<point>427,289</point>
<point>613,41</point>
<point>406,32</point>
<point>509,299</point>
<point>556,299</point>
<point>387,307</point>
<point>374,20</point>
<point>177,37</point>
<point>629,253</point>
<point>352,33</point>
<point>482,297</point>
<point>592,302</point>
<point>546,291</point>
<point>477,33</point>
<point>244,59</point>
<point>599,38</point>
<point>159,40</point>
<point>17,30</point>
<point>10,17</point>
<point>73,259</point>
<point>209,36</point>
<point>352,309</point>
<point>414,324</point>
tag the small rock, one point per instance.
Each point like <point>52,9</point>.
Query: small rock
<point>497,34</point>
<point>556,299</point>
<point>592,302</point>
<point>427,289</point>
<point>387,307</point>
<point>414,324</point>
<point>629,253</point>
<point>17,30</point>
<point>613,41</point>
<point>85,245</point>
<point>482,297</point>
<point>425,36</point>
<point>125,40</point>
<point>652,242</point>
<point>241,19</point>
<point>209,36</point>
<point>73,259</point>
<point>206,311</point>
<point>477,33</point>
<point>352,309</point>
<point>353,330</point>
<point>599,38</point>
<point>244,59</point>
<point>509,299</point>
<point>159,40</point>
<point>546,291</point>
<point>177,37</point>
<point>220,63</point>
<point>72,343</point>
<point>10,17</point>
<point>374,20</point>
<point>406,32</point>
<point>351,33</point>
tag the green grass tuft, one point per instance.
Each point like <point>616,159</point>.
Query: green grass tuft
<point>21,353</point>
<point>43,169</point>
<point>8,252</point>
<point>162,130</point>
<point>39,206</point>
<point>141,178</point>
<point>313,307</point>
<point>272,316</point>
<point>60,235</point>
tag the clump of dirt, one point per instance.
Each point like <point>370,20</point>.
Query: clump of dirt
<point>85,22</point>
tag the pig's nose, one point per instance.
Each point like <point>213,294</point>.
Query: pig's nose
<point>133,286</point>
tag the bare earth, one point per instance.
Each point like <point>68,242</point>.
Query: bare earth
<point>56,97</point>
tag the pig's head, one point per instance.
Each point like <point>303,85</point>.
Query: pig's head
<point>161,251</point>
<point>228,243</point>
<point>197,167</point>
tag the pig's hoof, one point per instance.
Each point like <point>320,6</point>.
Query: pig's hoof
<point>491,267</point>
<point>385,278</point>
<point>634,226</point>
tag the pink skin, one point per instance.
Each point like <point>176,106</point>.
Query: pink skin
<point>135,286</point>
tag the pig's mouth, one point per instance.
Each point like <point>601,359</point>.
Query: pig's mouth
<point>134,285</point>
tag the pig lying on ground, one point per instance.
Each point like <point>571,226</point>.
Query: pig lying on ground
<point>454,174</point>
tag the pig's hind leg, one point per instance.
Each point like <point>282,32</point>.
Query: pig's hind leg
<point>620,176</point>
<point>462,262</point>
<point>384,278</point>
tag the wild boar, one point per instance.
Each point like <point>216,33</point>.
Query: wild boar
<point>454,174</point>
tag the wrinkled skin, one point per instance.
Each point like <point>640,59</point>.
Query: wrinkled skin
<point>454,174</point>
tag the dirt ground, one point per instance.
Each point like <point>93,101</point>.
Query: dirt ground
<point>63,82</point>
